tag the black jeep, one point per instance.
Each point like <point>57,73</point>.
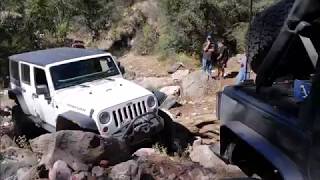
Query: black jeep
<point>267,128</point>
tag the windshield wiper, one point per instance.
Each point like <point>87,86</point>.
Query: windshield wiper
<point>83,85</point>
<point>109,79</point>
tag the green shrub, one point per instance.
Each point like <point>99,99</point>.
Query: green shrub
<point>147,40</point>
<point>237,34</point>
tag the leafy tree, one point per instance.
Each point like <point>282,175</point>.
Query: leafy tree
<point>98,14</point>
<point>39,15</point>
<point>189,22</point>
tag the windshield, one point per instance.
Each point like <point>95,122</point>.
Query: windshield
<point>79,72</point>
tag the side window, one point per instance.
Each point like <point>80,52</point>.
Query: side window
<point>25,73</point>
<point>40,77</point>
<point>14,72</point>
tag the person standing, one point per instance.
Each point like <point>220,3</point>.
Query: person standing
<point>222,59</point>
<point>242,72</point>
<point>208,49</point>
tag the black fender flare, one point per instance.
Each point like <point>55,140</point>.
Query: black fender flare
<point>160,96</point>
<point>286,167</point>
<point>16,95</point>
<point>71,120</point>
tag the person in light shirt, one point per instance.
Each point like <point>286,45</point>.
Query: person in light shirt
<point>242,72</point>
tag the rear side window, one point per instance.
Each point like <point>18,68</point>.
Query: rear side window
<point>14,72</point>
<point>25,73</point>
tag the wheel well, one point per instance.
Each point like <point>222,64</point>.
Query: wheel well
<point>13,97</point>
<point>248,159</point>
<point>226,137</point>
<point>67,124</point>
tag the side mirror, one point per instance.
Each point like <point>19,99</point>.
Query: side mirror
<point>43,90</point>
<point>122,69</point>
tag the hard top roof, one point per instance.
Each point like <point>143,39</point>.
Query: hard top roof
<point>50,56</point>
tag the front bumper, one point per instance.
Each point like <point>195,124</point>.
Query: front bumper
<point>143,128</point>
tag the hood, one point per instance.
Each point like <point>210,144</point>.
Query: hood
<point>99,95</point>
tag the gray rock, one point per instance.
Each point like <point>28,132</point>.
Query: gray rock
<point>171,90</point>
<point>203,155</point>
<point>78,149</point>
<point>60,171</point>
<point>158,166</point>
<point>175,67</point>
<point>213,129</point>
<point>154,82</point>
<point>180,74</point>
<point>13,159</point>
<point>28,173</point>
<point>169,102</point>
<point>25,174</point>
<point>97,171</point>
<point>83,175</point>
<point>143,152</point>
<point>197,84</point>
<point>9,168</point>
<point>125,171</point>
<point>6,142</point>
<point>203,119</point>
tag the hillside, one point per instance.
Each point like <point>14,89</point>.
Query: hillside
<point>143,26</point>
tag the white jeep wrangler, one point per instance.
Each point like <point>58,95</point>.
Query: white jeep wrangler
<point>82,89</point>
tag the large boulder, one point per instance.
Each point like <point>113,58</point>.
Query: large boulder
<point>203,155</point>
<point>175,67</point>
<point>171,90</point>
<point>78,149</point>
<point>197,84</point>
<point>180,74</point>
<point>154,82</point>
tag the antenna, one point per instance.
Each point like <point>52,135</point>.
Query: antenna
<point>247,74</point>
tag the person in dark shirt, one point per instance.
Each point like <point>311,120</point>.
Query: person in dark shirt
<point>222,59</point>
<point>208,49</point>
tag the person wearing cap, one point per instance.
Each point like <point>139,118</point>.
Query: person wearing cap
<point>208,49</point>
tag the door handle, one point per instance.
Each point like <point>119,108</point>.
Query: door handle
<point>34,95</point>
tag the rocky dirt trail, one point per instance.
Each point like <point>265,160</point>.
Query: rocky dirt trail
<point>193,92</point>
<point>77,155</point>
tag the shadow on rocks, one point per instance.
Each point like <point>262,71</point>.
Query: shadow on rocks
<point>174,137</point>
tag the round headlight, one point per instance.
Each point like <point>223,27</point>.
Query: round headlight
<point>151,102</point>
<point>104,118</point>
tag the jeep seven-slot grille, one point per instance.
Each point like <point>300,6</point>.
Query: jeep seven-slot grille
<point>129,112</point>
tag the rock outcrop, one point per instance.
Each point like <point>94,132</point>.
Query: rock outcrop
<point>197,84</point>
<point>157,166</point>
<point>154,82</point>
<point>78,149</point>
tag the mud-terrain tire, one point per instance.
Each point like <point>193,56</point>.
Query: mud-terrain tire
<point>263,31</point>
<point>23,126</point>
<point>174,137</point>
